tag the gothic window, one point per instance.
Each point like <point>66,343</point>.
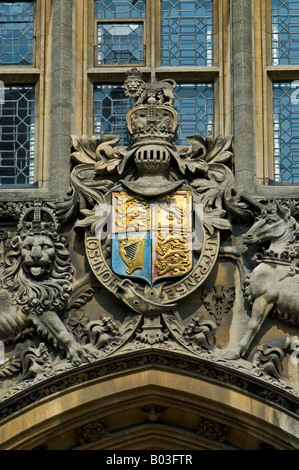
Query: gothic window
<point>163,39</point>
<point>17,101</point>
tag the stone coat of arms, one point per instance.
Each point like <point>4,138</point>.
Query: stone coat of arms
<point>153,211</point>
<point>150,224</point>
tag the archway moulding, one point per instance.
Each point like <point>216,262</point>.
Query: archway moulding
<point>151,395</point>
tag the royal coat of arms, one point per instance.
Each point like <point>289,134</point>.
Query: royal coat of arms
<point>152,211</point>
<point>152,221</point>
<point>152,240</point>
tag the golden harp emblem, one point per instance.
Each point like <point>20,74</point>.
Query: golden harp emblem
<point>131,251</point>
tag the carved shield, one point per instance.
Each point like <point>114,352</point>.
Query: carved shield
<point>152,238</point>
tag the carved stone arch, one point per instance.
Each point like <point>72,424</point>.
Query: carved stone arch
<point>151,408</point>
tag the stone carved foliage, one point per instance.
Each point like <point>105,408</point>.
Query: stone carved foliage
<point>100,152</point>
<point>28,361</point>
<point>92,432</point>
<point>103,332</point>
<point>269,356</point>
<point>200,334</point>
<point>218,301</point>
<point>12,210</point>
<point>214,189</point>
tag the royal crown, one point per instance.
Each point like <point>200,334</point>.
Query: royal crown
<point>152,117</point>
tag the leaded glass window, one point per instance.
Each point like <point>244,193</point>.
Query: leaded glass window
<point>16,33</point>
<point>154,33</point>
<point>120,42</point>
<point>110,110</point>
<point>184,29</point>
<point>285,32</point>
<point>186,33</point>
<point>193,102</point>
<point>119,9</point>
<point>286,132</point>
<point>17,128</point>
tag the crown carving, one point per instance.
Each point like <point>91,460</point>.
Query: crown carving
<point>152,117</point>
<point>152,123</point>
<point>38,219</point>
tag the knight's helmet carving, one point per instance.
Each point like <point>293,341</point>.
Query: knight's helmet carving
<point>152,123</point>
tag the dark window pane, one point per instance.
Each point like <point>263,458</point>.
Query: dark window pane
<point>17,127</point>
<point>194,103</point>
<point>110,110</point>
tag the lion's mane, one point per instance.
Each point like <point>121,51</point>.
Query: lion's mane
<point>36,296</point>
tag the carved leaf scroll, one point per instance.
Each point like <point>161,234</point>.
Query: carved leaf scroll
<point>202,152</point>
<point>99,152</point>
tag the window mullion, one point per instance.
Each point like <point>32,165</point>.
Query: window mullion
<point>155,35</point>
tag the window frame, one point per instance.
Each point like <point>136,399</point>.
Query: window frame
<point>89,74</point>
<point>33,75</point>
<point>266,74</point>
<point>33,41</point>
<point>120,22</point>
